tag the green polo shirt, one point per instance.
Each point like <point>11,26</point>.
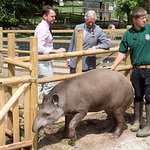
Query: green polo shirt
<point>139,44</point>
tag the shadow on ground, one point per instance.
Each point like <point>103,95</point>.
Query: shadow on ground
<point>92,124</point>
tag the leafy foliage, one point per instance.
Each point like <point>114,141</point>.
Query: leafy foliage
<point>124,7</point>
<point>14,12</point>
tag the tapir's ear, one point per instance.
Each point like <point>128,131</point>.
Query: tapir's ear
<point>55,99</point>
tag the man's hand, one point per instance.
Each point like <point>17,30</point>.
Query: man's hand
<point>113,67</point>
<point>68,62</point>
<point>92,49</point>
<point>61,50</point>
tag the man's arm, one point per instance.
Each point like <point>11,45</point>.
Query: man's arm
<point>119,58</point>
<point>103,41</point>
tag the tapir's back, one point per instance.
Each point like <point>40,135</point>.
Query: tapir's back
<point>99,87</point>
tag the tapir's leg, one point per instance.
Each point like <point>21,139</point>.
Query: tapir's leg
<point>67,121</point>
<point>112,119</point>
<point>121,124</point>
<point>73,123</point>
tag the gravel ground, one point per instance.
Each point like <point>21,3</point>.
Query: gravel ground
<point>94,133</point>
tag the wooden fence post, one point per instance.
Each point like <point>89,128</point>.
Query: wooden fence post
<point>11,53</point>
<point>1,46</point>
<point>79,43</point>
<point>16,127</point>
<point>27,114</point>
<point>11,72</point>
<point>2,122</point>
<point>34,85</point>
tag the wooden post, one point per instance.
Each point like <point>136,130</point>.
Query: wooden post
<point>2,122</point>
<point>11,72</point>
<point>1,46</point>
<point>79,43</point>
<point>11,53</point>
<point>27,115</point>
<point>127,62</point>
<point>16,129</point>
<point>34,85</point>
<point>11,90</point>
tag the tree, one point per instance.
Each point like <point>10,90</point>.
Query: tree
<point>124,7</point>
<point>14,12</point>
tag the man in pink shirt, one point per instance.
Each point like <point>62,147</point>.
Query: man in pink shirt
<point>45,46</point>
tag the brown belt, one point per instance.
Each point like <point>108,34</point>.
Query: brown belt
<point>142,67</point>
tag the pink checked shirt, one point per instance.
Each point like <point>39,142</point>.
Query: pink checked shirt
<point>45,39</point>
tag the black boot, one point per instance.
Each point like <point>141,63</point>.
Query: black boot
<point>146,130</point>
<point>138,108</point>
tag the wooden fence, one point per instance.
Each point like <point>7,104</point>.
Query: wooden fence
<point>24,88</point>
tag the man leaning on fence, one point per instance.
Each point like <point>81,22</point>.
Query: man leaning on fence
<point>137,38</point>
<point>45,46</point>
<point>93,38</point>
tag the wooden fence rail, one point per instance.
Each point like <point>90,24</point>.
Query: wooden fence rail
<point>117,32</point>
<point>28,87</point>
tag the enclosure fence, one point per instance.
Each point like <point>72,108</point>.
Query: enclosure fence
<point>15,90</point>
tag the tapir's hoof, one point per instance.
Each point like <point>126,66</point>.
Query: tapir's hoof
<point>72,134</point>
<point>72,142</point>
<point>118,132</point>
<point>114,136</point>
<point>73,138</point>
<point>135,127</point>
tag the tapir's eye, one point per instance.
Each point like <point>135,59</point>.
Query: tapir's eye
<point>45,115</point>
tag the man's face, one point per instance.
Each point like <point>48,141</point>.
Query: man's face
<point>50,18</point>
<point>90,22</point>
<point>140,21</point>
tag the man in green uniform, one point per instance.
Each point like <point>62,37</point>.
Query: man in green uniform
<point>137,39</point>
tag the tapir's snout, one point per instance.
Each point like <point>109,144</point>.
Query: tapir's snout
<point>37,124</point>
<point>35,127</point>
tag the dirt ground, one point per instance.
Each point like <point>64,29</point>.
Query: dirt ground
<point>94,133</point>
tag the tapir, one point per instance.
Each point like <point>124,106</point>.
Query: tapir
<point>92,91</point>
